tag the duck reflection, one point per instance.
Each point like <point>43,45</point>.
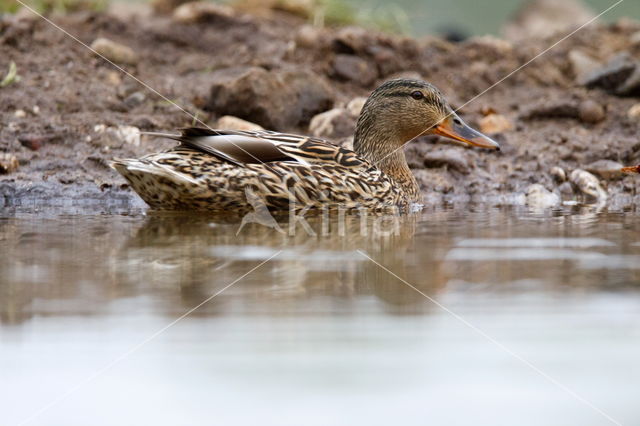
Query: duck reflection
<point>167,263</point>
<point>318,257</point>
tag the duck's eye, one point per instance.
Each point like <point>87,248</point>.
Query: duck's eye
<point>417,95</point>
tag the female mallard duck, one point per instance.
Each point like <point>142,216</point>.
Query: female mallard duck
<point>225,170</point>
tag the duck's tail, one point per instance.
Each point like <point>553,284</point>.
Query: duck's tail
<point>127,167</point>
<point>159,185</point>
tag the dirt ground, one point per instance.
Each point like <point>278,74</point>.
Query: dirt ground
<point>71,112</point>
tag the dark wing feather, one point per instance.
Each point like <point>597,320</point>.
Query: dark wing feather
<point>247,147</point>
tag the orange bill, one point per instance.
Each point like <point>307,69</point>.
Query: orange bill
<point>454,128</point>
<point>633,169</point>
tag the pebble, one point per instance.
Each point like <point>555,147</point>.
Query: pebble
<point>635,38</point>
<point>606,169</point>
<point>631,86</point>
<point>134,99</point>
<point>558,174</point>
<point>276,99</point>
<point>582,66</point>
<point>538,196</point>
<point>354,68</point>
<point>495,123</point>
<point>333,124</point>
<point>355,105</point>
<point>591,112</point>
<point>229,122</point>
<point>351,40</point>
<point>20,113</point>
<point>588,184</point>
<point>8,163</point>
<point>117,136</point>
<point>612,75</point>
<point>34,141</point>
<point>308,36</point>
<point>634,112</point>
<point>202,11</point>
<point>115,52</point>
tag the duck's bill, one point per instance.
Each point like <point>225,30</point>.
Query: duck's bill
<point>454,128</point>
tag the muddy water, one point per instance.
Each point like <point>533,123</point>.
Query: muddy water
<point>419,320</point>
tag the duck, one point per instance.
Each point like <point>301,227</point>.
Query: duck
<point>232,170</point>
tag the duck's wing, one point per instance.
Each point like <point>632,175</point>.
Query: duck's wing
<point>250,147</point>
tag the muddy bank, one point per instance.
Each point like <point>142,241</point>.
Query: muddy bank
<point>70,112</point>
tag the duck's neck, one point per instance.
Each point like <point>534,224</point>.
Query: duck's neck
<point>388,156</point>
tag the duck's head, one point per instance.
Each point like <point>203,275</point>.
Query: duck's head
<point>400,110</point>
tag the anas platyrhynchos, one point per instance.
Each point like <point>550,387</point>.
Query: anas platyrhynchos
<point>224,170</point>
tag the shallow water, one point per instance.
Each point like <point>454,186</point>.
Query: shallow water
<point>467,315</point>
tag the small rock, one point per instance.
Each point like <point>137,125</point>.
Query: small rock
<point>8,163</point>
<point>355,105</point>
<point>134,99</point>
<point>612,75</point>
<point>111,137</point>
<point>635,38</point>
<point>452,158</point>
<point>145,123</point>
<point>591,112</point>
<point>558,174</point>
<point>20,113</point>
<point>564,108</point>
<point>353,68</point>
<point>582,65</point>
<point>606,169</point>
<point>229,122</point>
<point>351,40</point>
<point>634,112</point>
<point>308,36</point>
<point>34,141</point>
<point>495,123</point>
<point>278,99</point>
<point>202,11</point>
<point>114,52</point>
<point>539,197</point>
<point>588,184</point>
<point>113,78</point>
<point>333,124</point>
<point>631,86</point>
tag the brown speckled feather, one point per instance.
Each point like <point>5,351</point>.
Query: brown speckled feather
<point>212,170</point>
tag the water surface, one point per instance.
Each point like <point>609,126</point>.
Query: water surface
<point>436,318</point>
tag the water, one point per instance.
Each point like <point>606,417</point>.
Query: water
<point>469,307</point>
